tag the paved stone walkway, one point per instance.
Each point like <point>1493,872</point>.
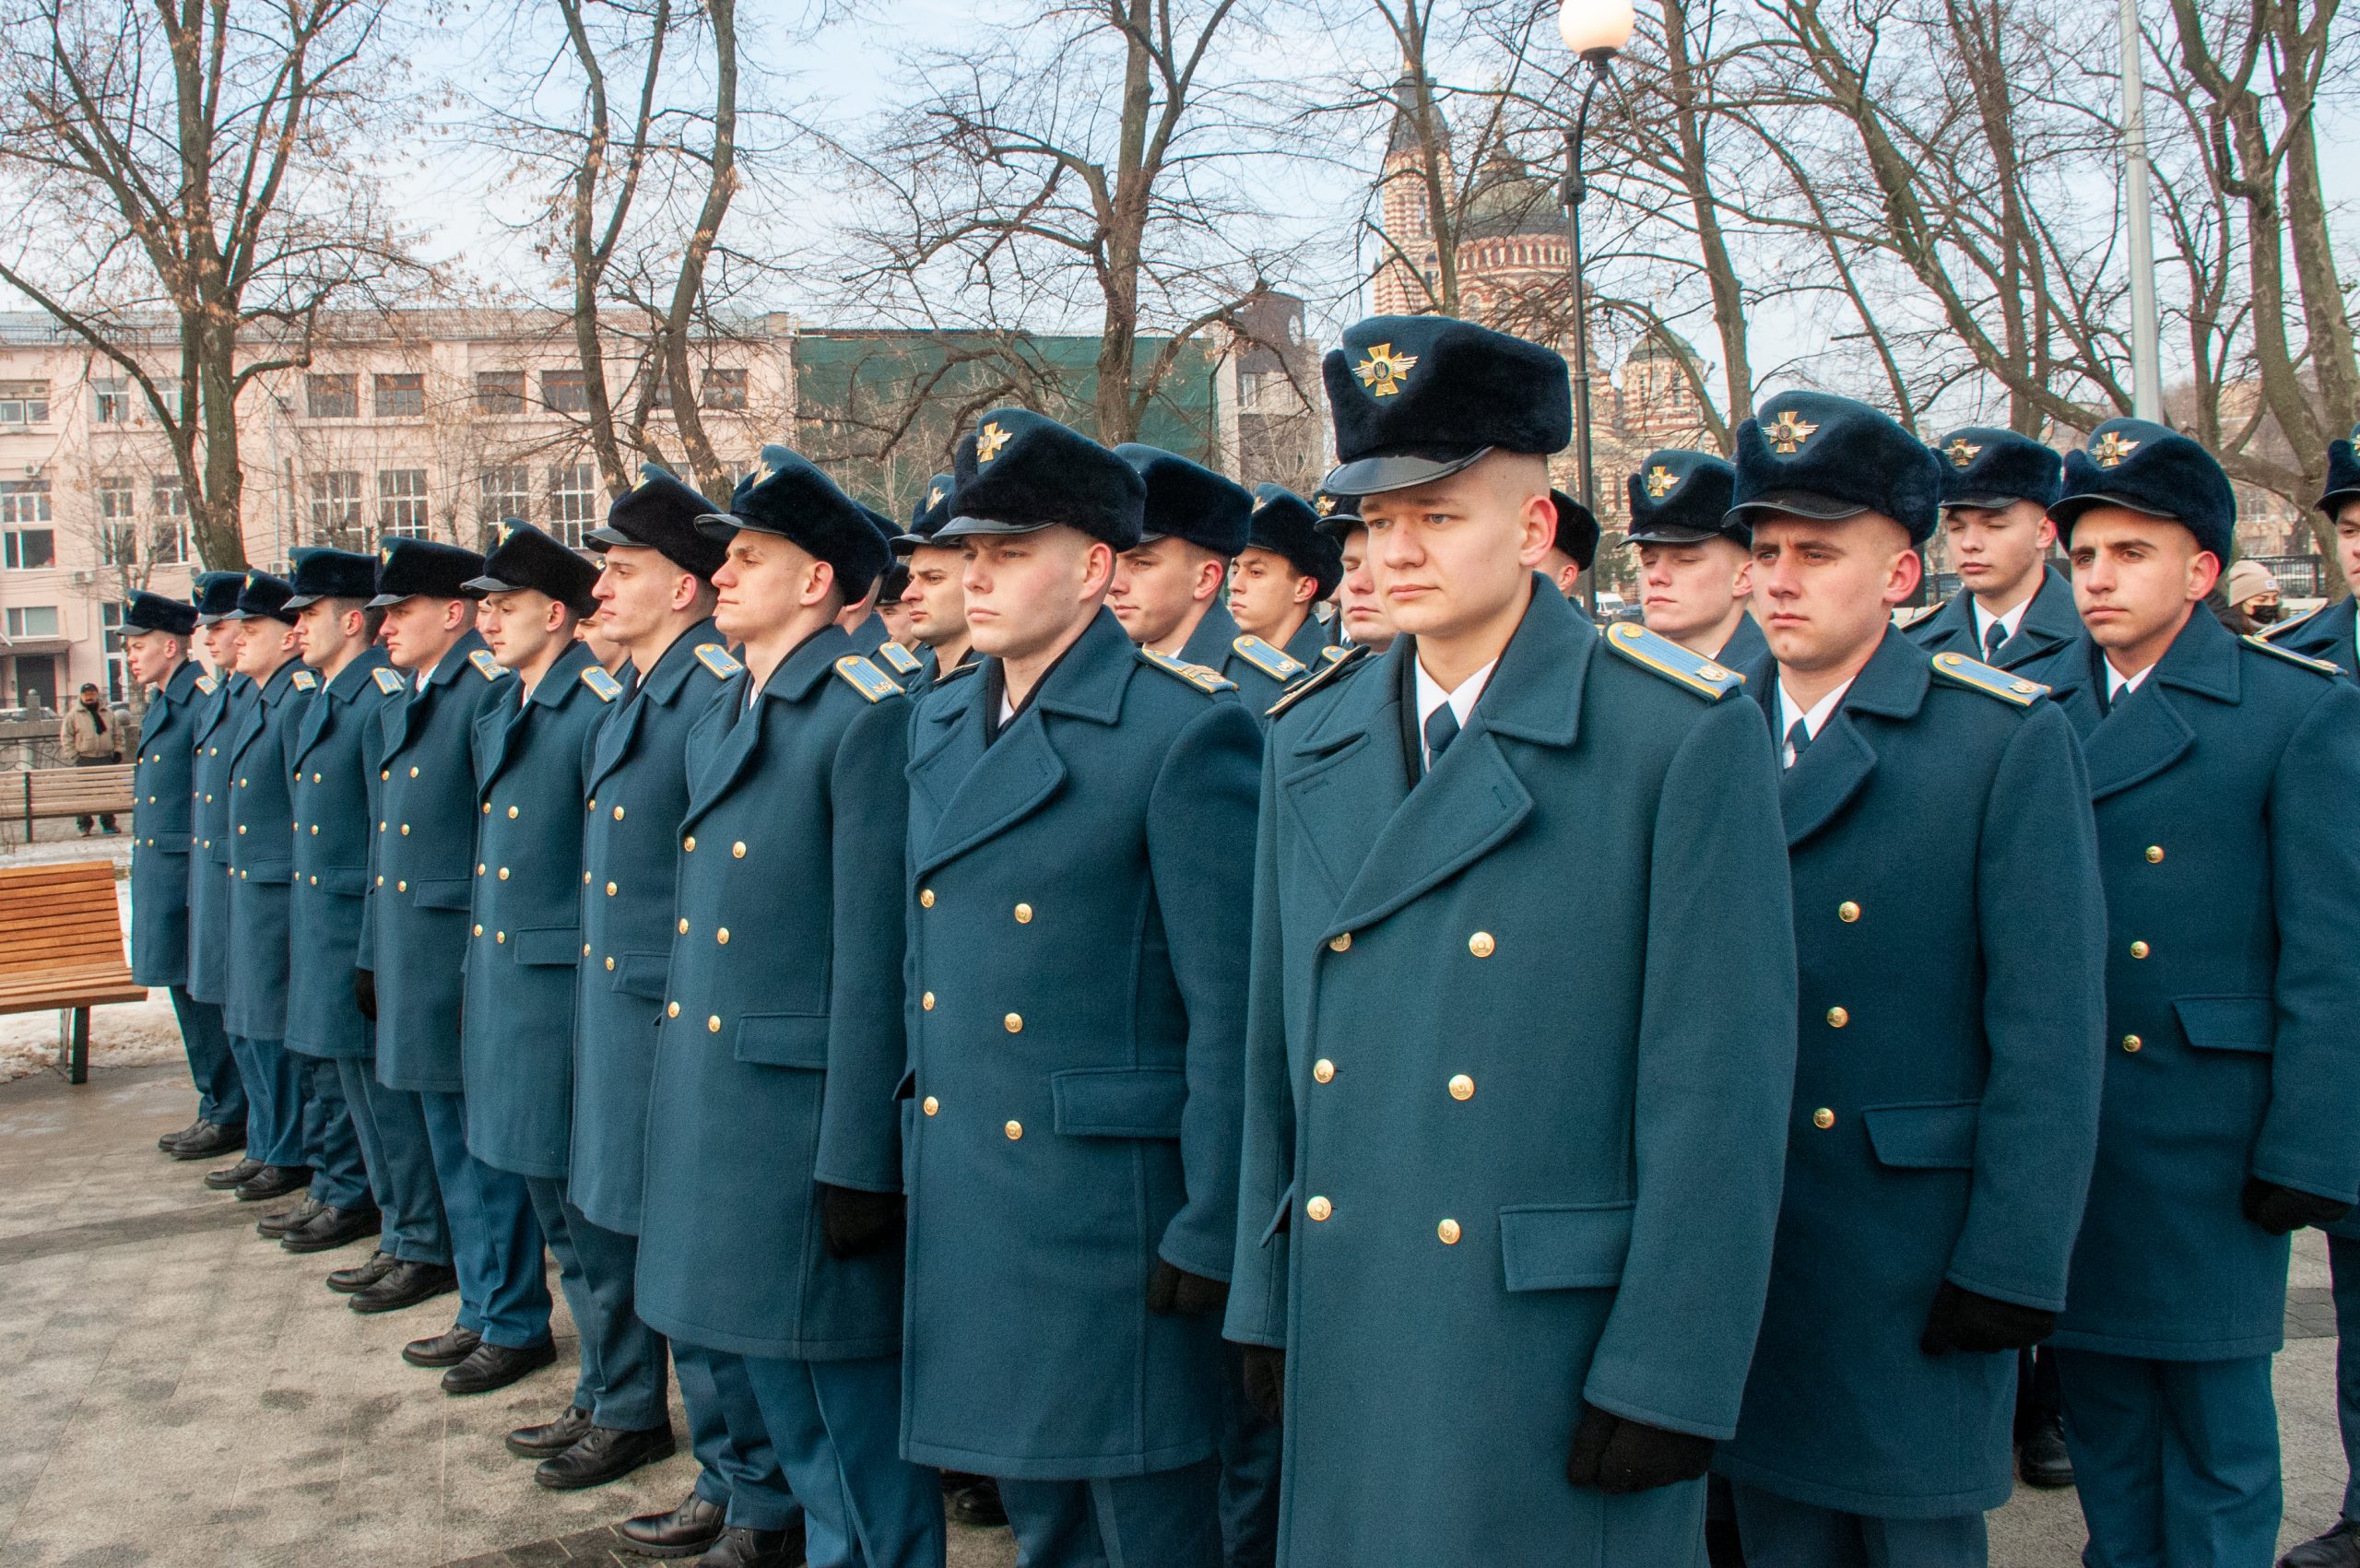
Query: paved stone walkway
<point>178,1392</point>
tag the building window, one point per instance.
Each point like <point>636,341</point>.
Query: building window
<point>507,492</point>
<point>170,393</point>
<point>573,501</point>
<point>32,621</point>
<point>24,402</point>
<point>564,392</point>
<point>333,398</point>
<point>401,396</point>
<point>111,638</point>
<point>110,401</point>
<point>723,388</point>
<point>499,392</point>
<point>336,521</point>
<point>23,545</point>
<point>168,541</point>
<point>118,530</point>
<point>401,503</point>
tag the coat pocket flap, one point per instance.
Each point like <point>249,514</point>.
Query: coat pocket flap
<point>1279,1216</point>
<point>267,871</point>
<point>784,1040</point>
<point>441,892</point>
<point>350,882</point>
<point>547,947</point>
<point>1564,1246</point>
<point>2228,1024</point>
<point>643,975</point>
<point>1119,1102</point>
<point>1924,1137</point>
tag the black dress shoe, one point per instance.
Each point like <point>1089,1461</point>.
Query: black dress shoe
<point>606,1453</point>
<point>686,1531</point>
<point>405,1285</point>
<point>550,1439</point>
<point>277,1225</point>
<point>170,1139</point>
<point>235,1176</point>
<point>361,1276</point>
<point>496,1366</point>
<point>209,1142</point>
<point>741,1548</point>
<point>331,1227</point>
<point>449,1348</point>
<point>2340,1547</point>
<point>2041,1458</point>
<point>275,1181</point>
<point>979,1505</point>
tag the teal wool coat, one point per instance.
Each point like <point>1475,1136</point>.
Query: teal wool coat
<point>1517,1070</point>
<point>160,830</point>
<point>2326,633</point>
<point>261,841</point>
<point>333,761</point>
<point>782,1040</point>
<point>2050,626</point>
<point>1077,1001</point>
<point>217,718</point>
<point>1949,929</point>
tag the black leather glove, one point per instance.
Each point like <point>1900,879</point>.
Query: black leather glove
<point>1265,1381</point>
<point>2279,1210</point>
<point>1964,1320</point>
<point>1170,1291</point>
<point>1616,1456</point>
<point>364,993</point>
<point>856,1222</point>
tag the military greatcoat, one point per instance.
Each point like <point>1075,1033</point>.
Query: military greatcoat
<point>217,717</point>
<point>261,853</point>
<point>159,829</point>
<point>334,765</point>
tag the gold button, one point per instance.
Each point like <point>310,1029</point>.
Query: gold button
<point>689,844</point>
<point>401,887</point>
<point>384,772</point>
<point>929,1105</point>
<point>315,778</point>
<point>672,1011</point>
<point>487,805</point>
<point>1024,915</point>
<point>1823,1118</point>
<point>684,928</point>
<point>1014,1131</point>
<point>722,935</point>
<point>1848,911</point>
<point>380,827</point>
<point>1462,1087</point>
<point>512,813</point>
<point>413,773</point>
<point>504,873</point>
<point>316,829</point>
<point>737,850</point>
<point>1481,944</point>
<point>585,876</point>
<point>619,813</point>
<point>610,962</point>
<point>926,1001</point>
<point>594,803</point>
<point>713,1024</point>
<point>1319,1208</point>
<point>480,867</point>
<point>2139,949</point>
<point>1340,943</point>
<point>1448,1231</point>
<point>242,783</point>
<point>479,930</point>
<point>242,828</point>
<point>2154,855</point>
<point>499,935</point>
<point>2131,1043</point>
<point>926,897</point>
<point>209,843</point>
<point>404,829</point>
<point>610,889</point>
<point>1323,1071</point>
<point>1013,1023</point>
<point>1837,1017</point>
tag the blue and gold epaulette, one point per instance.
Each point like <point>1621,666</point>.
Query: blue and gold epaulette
<point>2272,633</point>
<point>1335,651</point>
<point>389,679</point>
<point>303,680</point>
<point>1197,676</point>
<point>603,686</point>
<point>865,679</point>
<point>1929,613</point>
<point>901,659</point>
<point>486,666</point>
<point>2318,667</point>
<point>965,666</point>
<point>1276,663</point>
<point>207,684</point>
<point>1976,676</point>
<point>1710,678</point>
<point>715,658</point>
<point>1340,662</point>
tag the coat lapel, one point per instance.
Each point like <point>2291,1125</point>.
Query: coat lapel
<point>2050,621</point>
<point>2146,731</point>
<point>1841,758</point>
<point>620,731</point>
<point>794,679</point>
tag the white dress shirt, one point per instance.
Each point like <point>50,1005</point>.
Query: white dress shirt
<point>1461,699</point>
<point>1813,718</point>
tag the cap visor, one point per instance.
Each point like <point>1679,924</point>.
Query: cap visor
<point>902,544</point>
<point>1674,537</point>
<point>1399,471</point>
<point>1796,504</point>
<point>961,528</point>
<point>2070,507</point>
<point>1337,525</point>
<point>600,538</point>
<point>2336,501</point>
<point>720,527</point>
<point>204,620</point>
<point>478,588</point>
<point>298,601</point>
<point>387,601</point>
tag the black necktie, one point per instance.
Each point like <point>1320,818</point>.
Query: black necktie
<point>1798,740</point>
<point>1994,635</point>
<point>1442,728</point>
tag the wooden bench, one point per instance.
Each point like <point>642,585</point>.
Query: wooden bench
<point>47,794</point>
<point>61,945</point>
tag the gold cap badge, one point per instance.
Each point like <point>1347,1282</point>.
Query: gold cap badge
<point>988,441</point>
<point>1961,452</point>
<point>1660,481</point>
<point>1384,371</point>
<point>2110,449</point>
<point>1789,431</point>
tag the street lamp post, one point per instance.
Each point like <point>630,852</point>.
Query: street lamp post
<point>1595,31</point>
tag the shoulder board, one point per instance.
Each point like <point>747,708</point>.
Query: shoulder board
<point>2283,627</point>
<point>207,684</point>
<point>2320,666</point>
<point>606,686</point>
<point>1338,661</point>
<point>715,658</point>
<point>1276,663</point>
<point>389,681</point>
<point>486,666</point>
<point>303,680</point>
<point>1929,613</point>
<point>1980,677</point>
<point>1197,676</point>
<point>1708,678</point>
<point>865,679</point>
<point>902,661</point>
<point>1333,651</point>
